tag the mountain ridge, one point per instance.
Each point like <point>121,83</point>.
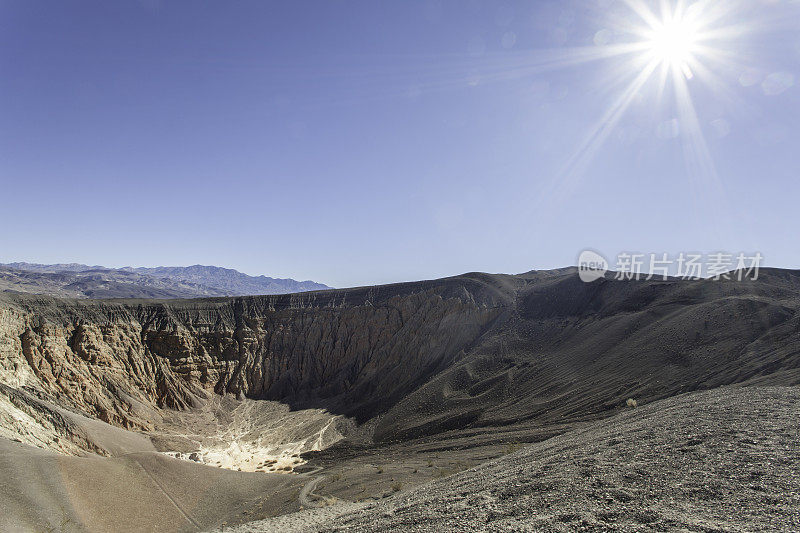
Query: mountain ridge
<point>74,280</point>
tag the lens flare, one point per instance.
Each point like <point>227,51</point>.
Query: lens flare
<point>663,50</point>
<point>674,42</point>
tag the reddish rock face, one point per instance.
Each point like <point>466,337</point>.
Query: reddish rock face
<point>354,351</point>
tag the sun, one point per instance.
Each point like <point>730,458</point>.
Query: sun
<point>675,36</point>
<point>664,52</point>
<point>674,43</point>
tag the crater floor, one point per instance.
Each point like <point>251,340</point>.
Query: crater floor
<point>247,435</point>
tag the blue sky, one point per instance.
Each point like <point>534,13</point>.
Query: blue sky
<point>361,142</point>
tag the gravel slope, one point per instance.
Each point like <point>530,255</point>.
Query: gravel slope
<point>721,460</point>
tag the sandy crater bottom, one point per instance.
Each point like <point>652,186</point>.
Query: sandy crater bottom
<point>248,435</point>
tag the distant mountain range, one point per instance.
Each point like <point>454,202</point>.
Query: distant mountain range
<point>74,280</point>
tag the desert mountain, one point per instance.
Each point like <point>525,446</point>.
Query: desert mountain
<point>82,281</point>
<point>229,281</point>
<point>374,389</point>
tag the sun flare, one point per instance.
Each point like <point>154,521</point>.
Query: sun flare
<point>664,52</point>
<point>674,42</point>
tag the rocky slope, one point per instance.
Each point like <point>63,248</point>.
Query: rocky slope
<point>722,460</point>
<point>354,352</point>
<point>461,356</point>
<point>380,388</point>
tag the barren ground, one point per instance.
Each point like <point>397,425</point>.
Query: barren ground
<point>723,460</point>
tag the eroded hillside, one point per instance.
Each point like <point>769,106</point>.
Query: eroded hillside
<point>353,352</point>
<point>359,393</point>
<point>463,356</point>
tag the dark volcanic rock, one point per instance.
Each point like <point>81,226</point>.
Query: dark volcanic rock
<point>466,354</point>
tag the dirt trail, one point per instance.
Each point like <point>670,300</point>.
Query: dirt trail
<point>308,490</point>
<point>166,493</point>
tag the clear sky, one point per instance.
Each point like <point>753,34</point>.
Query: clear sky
<point>360,142</point>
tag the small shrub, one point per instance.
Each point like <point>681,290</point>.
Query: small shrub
<point>511,447</point>
<point>631,403</point>
<point>444,472</point>
<point>396,486</point>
